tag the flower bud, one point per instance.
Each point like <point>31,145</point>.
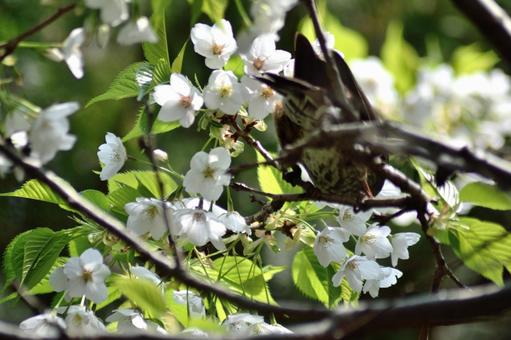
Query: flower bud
<point>160,155</point>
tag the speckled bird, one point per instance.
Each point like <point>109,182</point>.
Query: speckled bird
<point>307,105</point>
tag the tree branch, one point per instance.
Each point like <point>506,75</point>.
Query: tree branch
<point>390,138</point>
<point>492,21</point>
<point>12,44</point>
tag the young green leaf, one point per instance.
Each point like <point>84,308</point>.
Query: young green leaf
<point>125,85</point>
<point>314,281</point>
<point>399,57</point>
<point>470,59</point>
<point>154,52</point>
<point>485,195</point>
<point>143,293</point>
<point>31,255</point>
<point>214,9</point>
<point>146,179</point>
<point>484,247</point>
<point>38,191</point>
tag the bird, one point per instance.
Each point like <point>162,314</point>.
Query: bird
<point>308,102</point>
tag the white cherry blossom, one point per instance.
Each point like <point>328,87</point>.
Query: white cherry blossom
<point>130,321</point>
<point>113,156</point>
<point>49,132</point>
<point>82,276</point>
<point>179,100</point>
<point>216,43</point>
<point>208,173</point>
<point>328,246</point>
<point>198,227</point>
<point>260,97</point>
<point>192,301</point>
<point>43,325</point>
<point>353,223</point>
<point>388,278</point>
<point>357,269</point>
<point>145,216</point>
<point>234,222</point>
<point>223,92</point>
<point>377,83</point>
<point>240,324</point>
<point>137,31</point>
<point>400,243</point>
<point>113,12</point>
<point>263,56</point>
<point>374,243</point>
<point>269,16</point>
<point>244,324</point>
<point>81,322</point>
<point>70,52</point>
<point>144,273</point>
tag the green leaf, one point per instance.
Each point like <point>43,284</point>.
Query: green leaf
<point>125,85</point>
<point>141,126</point>
<point>241,275</point>
<point>120,197</point>
<point>214,9</point>
<point>236,65</point>
<point>146,179</point>
<point>97,197</point>
<point>159,50</point>
<point>177,64</point>
<point>484,247</point>
<point>314,281</point>
<point>351,43</point>
<point>31,255</point>
<point>470,59</point>
<point>38,191</point>
<point>270,179</point>
<point>143,293</point>
<point>399,57</point>
<point>485,195</point>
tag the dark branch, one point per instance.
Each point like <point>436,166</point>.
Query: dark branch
<point>492,21</point>
<point>389,138</point>
<point>12,44</point>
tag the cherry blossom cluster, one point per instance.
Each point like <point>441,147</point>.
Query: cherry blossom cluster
<point>84,277</point>
<point>372,242</point>
<point>472,109</point>
<point>44,135</point>
<point>112,13</point>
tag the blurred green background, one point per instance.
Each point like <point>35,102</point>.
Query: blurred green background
<point>45,82</point>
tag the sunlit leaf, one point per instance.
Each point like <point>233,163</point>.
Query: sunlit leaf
<point>484,247</point>
<point>143,293</point>
<point>399,57</point>
<point>470,59</point>
<point>485,195</point>
<point>147,179</point>
<point>124,85</point>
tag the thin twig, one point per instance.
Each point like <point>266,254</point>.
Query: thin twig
<point>398,202</point>
<point>12,44</point>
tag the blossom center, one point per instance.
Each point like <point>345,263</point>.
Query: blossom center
<point>152,211</point>
<point>217,49</point>
<point>209,172</point>
<point>325,240</point>
<point>186,101</point>
<point>225,91</point>
<point>87,275</point>
<point>267,92</point>
<point>258,63</point>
